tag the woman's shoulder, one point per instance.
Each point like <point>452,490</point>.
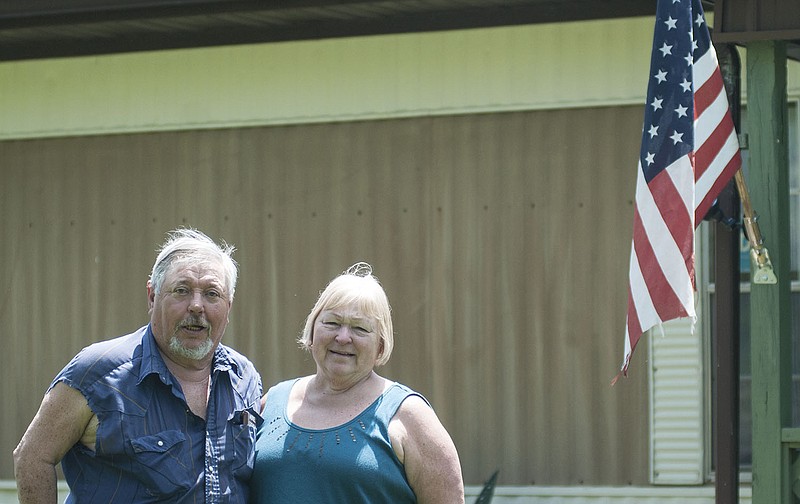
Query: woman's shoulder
<point>277,395</point>
<point>286,386</point>
<point>404,394</point>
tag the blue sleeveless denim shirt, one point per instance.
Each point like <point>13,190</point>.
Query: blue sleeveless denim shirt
<point>353,463</point>
<point>150,447</point>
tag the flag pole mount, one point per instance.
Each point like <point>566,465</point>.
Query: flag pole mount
<point>759,254</point>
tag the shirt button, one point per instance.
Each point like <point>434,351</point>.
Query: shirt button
<point>160,443</point>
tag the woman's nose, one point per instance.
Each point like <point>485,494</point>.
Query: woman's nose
<point>343,334</point>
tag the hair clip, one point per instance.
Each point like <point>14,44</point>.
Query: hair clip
<point>360,269</point>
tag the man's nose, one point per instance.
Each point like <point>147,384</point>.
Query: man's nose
<point>196,302</point>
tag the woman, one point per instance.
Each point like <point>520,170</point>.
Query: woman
<point>346,434</point>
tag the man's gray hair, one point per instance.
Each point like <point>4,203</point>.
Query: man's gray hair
<point>187,244</point>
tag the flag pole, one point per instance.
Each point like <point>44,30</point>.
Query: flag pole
<point>726,320</point>
<point>764,273</point>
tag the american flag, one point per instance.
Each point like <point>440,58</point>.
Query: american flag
<point>689,153</point>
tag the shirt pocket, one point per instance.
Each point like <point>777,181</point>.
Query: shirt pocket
<point>161,466</point>
<point>242,427</point>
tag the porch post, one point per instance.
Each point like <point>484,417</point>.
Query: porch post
<point>770,324</point>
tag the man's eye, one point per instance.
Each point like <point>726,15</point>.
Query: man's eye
<point>213,294</point>
<point>180,290</point>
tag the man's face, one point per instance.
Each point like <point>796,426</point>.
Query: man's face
<point>191,312</point>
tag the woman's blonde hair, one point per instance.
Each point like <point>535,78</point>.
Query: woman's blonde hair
<point>356,286</point>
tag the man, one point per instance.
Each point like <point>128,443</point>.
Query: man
<point>165,414</point>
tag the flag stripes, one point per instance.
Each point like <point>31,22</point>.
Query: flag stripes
<point>689,153</point>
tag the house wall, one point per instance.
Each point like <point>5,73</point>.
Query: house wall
<point>470,71</point>
<point>493,235</point>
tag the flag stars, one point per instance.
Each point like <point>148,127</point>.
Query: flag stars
<point>681,111</point>
<point>686,85</point>
<point>676,138</point>
<point>661,76</point>
<point>653,131</point>
<point>665,50</point>
<point>689,59</point>
<point>650,158</point>
<point>671,23</point>
<point>656,103</point>
<point>699,20</point>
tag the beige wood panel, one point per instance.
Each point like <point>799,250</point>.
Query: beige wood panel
<point>502,241</point>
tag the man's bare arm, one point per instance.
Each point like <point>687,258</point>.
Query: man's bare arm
<point>60,423</point>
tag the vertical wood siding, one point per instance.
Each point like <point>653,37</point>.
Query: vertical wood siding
<point>501,239</point>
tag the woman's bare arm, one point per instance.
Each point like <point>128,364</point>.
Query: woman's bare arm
<point>428,453</point>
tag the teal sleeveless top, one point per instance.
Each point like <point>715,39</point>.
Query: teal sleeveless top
<point>353,463</point>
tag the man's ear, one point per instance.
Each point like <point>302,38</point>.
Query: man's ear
<point>151,296</point>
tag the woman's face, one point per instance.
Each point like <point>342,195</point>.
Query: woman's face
<point>345,343</point>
